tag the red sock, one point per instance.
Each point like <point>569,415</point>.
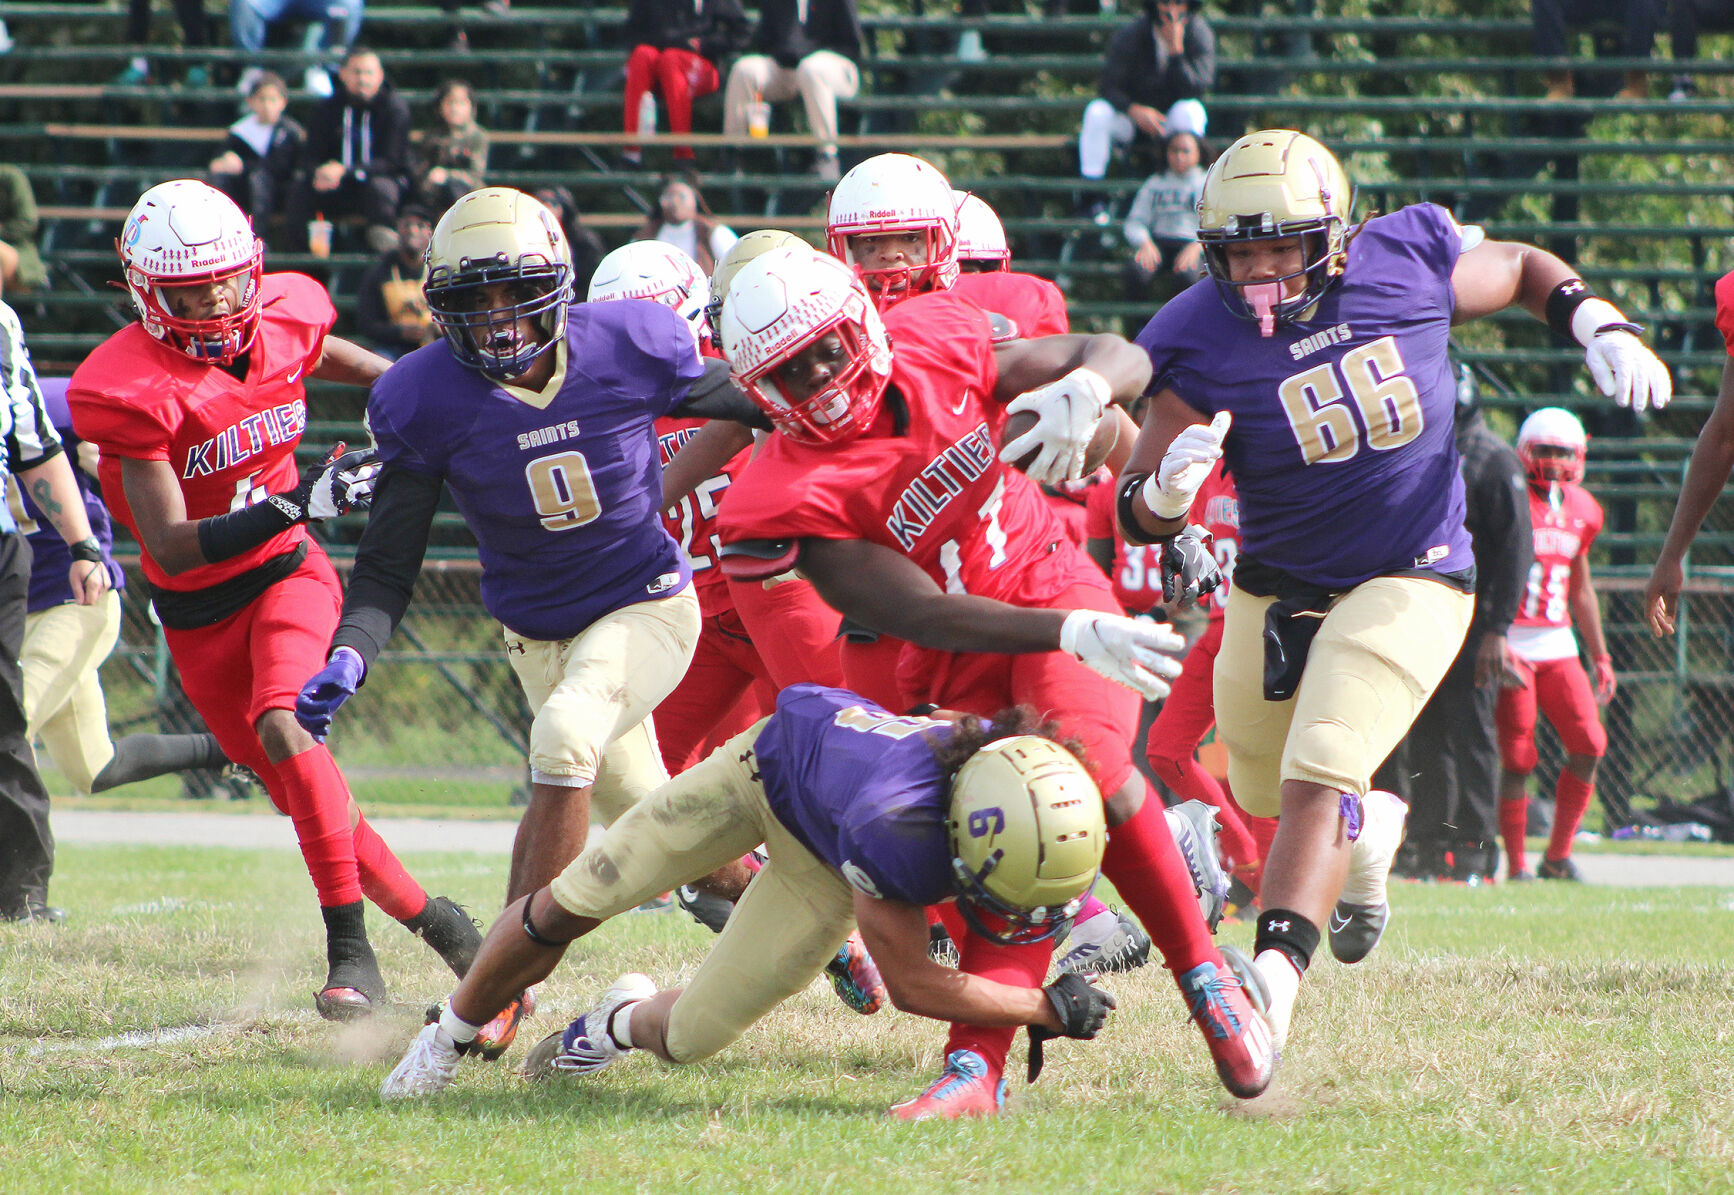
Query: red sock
<point>383,878</point>
<point>1147,871</point>
<point>1571,796</point>
<point>318,803</point>
<point>1018,966</point>
<point>1513,822</point>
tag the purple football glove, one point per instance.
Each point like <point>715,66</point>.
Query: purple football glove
<point>322,696</point>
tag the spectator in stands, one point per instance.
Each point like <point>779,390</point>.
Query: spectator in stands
<point>677,49</point>
<point>586,246</point>
<point>1636,19</point>
<point>359,140</point>
<point>1162,227</point>
<point>684,220</point>
<point>195,33</point>
<point>21,265</point>
<point>334,23</point>
<point>452,159</point>
<point>389,306</point>
<point>801,47</point>
<point>1166,55</point>
<point>1685,18</point>
<point>261,153</point>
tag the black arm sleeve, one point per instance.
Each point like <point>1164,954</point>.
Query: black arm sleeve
<point>1504,540</point>
<point>714,396</point>
<point>388,560</point>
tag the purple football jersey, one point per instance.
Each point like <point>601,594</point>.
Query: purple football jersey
<point>860,788</point>
<point>564,500</point>
<point>1342,447</point>
<point>51,559</point>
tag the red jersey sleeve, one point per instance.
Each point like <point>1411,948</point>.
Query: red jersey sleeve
<point>1593,520</point>
<point>1725,309</point>
<point>110,407</point>
<point>1099,513</point>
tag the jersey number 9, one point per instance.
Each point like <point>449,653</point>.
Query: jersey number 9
<point>565,496</point>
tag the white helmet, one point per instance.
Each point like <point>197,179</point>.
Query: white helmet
<point>980,235</point>
<point>1556,428</point>
<point>658,272</point>
<point>498,235</point>
<point>780,303</point>
<point>896,193</point>
<point>185,233</point>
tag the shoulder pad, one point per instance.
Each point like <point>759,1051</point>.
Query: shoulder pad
<point>759,559</point>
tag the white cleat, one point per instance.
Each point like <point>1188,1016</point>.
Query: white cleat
<point>426,1068</point>
<point>586,1046</point>
<point>1363,910</point>
<point>1196,831</point>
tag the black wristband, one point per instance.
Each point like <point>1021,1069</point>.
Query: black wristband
<point>1130,531</point>
<point>86,549</point>
<point>1563,302</point>
<point>222,537</point>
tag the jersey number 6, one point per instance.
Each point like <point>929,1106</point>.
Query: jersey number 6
<point>565,496</point>
<point>1379,388</point>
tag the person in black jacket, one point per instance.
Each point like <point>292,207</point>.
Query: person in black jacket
<point>261,153</point>
<point>390,308</point>
<point>807,48</point>
<point>1447,769</point>
<point>677,48</point>
<point>1166,55</point>
<point>358,151</point>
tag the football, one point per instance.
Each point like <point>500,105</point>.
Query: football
<point>1106,436</point>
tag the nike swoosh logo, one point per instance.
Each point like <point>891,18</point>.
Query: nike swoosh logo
<point>958,409</point>
<point>1338,925</point>
<point>295,373</point>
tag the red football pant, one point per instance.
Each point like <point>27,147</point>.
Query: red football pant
<point>1186,717</point>
<point>870,669</point>
<point>265,653</point>
<point>1561,690</point>
<point>680,75</point>
<point>794,630</point>
<point>723,692</point>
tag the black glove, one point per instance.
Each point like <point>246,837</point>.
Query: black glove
<point>1189,569</point>
<point>1082,1008</point>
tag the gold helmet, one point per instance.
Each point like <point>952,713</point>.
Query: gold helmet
<point>1026,833</point>
<point>488,237</point>
<point>740,253</point>
<point>1270,184</point>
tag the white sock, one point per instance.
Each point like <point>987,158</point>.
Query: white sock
<point>456,1028</point>
<point>1282,980</point>
<point>621,1030</point>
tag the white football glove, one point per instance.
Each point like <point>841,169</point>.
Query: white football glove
<point>1067,412</point>
<point>1128,651</point>
<point>1623,366</point>
<point>343,485</point>
<point>1169,491</point>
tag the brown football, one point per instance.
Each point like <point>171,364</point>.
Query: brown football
<point>1107,435</point>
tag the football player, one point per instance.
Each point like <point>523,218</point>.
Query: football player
<point>1314,359</point>
<point>1560,594</point>
<point>985,276</point>
<point>867,818</point>
<point>883,484</point>
<point>196,411</point>
<point>539,415</point>
<point>1712,459</point>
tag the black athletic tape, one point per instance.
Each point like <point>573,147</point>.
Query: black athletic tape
<point>1130,531</point>
<point>535,935</point>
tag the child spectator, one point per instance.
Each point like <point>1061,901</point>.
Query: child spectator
<point>389,305</point>
<point>682,219</point>
<point>452,159</point>
<point>261,153</point>
<point>1162,227</point>
<point>677,47</point>
<point>586,246</point>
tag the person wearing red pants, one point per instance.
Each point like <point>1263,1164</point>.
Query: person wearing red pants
<point>676,47</point>
<point>196,411</point>
<point>884,483</point>
<point>1551,443</point>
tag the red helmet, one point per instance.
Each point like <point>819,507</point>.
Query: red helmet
<point>185,233</point>
<point>1555,428</point>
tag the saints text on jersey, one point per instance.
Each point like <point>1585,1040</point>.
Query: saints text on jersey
<point>941,480</point>
<point>548,435</point>
<point>281,424</point>
<point>1309,345</point>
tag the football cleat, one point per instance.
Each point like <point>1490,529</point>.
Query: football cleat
<point>940,948</point>
<point>1109,941</point>
<point>710,911</point>
<point>497,1036</point>
<point>426,1067</point>
<point>1228,1008</point>
<point>453,934</point>
<point>353,989</point>
<point>1559,869</point>
<point>1195,830</point>
<point>855,976</point>
<point>964,1088</point>
<point>1362,911</point>
<point>586,1046</point>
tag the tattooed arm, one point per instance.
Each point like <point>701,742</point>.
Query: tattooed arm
<point>53,489</point>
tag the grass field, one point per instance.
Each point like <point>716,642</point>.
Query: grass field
<point>1538,1038</point>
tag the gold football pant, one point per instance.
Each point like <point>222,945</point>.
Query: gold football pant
<point>63,704</point>
<point>1384,647</point>
<point>785,927</point>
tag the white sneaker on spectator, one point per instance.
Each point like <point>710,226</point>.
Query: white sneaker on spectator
<point>317,81</point>
<point>6,42</point>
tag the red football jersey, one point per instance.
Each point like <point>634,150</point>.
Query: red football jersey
<point>1070,502</point>
<point>1034,304</point>
<point>1137,574</point>
<point>693,522</point>
<point>938,494</point>
<point>231,442</point>
<point>1562,534</point>
<point>1725,309</point>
